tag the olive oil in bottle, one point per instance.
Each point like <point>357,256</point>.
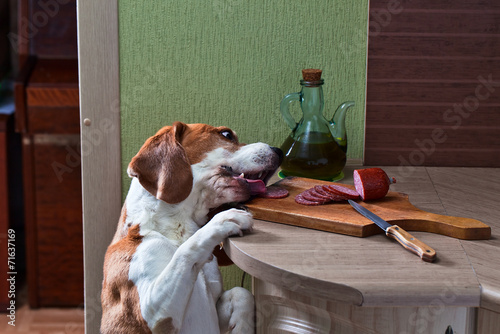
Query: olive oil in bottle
<point>315,156</point>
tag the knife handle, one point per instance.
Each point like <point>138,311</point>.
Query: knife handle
<point>411,243</point>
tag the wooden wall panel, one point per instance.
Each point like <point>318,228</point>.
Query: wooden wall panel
<point>436,136</point>
<point>436,91</point>
<point>445,21</point>
<point>445,5</point>
<point>418,115</point>
<point>435,46</point>
<point>424,68</point>
<point>409,157</point>
<point>433,66</point>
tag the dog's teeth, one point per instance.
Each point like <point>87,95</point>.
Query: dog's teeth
<point>242,175</point>
<point>260,175</point>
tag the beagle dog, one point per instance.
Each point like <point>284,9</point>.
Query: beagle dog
<point>159,272</point>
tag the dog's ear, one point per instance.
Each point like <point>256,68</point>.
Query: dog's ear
<point>162,165</point>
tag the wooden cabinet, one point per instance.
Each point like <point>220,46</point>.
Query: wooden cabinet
<point>4,212</point>
<point>47,116</point>
<point>11,210</point>
<point>49,123</point>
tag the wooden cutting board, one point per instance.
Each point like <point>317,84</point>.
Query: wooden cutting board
<point>340,217</point>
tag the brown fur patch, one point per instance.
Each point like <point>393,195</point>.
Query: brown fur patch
<point>120,230</point>
<point>166,326</point>
<point>162,167</point>
<point>121,311</point>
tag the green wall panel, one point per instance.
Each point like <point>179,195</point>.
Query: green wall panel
<point>231,62</point>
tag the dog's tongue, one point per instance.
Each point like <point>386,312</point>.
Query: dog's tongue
<point>256,186</point>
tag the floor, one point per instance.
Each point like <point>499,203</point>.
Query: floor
<point>44,320</point>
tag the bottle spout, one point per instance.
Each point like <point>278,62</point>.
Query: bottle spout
<point>338,124</point>
<point>339,115</point>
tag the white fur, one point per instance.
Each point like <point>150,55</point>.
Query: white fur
<point>173,268</point>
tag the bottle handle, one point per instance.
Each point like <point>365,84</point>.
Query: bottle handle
<point>285,105</point>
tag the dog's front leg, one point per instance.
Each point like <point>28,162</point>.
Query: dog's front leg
<point>164,299</point>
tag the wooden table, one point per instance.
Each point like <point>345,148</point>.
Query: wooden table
<point>308,281</point>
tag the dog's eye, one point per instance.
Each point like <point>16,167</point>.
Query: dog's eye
<point>227,134</point>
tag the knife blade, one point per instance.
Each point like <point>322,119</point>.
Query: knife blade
<point>408,241</point>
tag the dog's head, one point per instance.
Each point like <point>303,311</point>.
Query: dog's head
<point>183,157</point>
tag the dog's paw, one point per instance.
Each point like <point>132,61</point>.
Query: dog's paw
<point>231,222</point>
<point>236,311</point>
<point>224,224</point>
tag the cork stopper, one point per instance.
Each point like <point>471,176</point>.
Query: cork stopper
<point>311,74</point>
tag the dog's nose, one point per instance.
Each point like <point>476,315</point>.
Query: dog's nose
<point>279,152</point>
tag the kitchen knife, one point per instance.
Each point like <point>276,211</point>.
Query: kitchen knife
<point>394,231</point>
